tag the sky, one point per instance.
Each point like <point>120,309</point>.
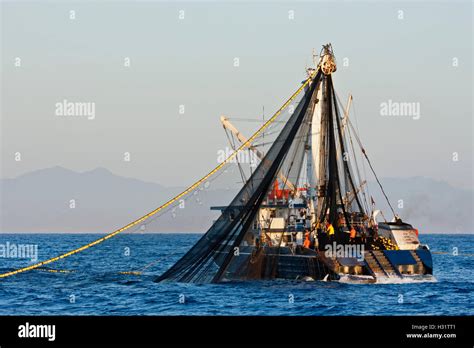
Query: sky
<point>163,109</point>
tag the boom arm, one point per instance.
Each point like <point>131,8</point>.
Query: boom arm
<point>228,125</point>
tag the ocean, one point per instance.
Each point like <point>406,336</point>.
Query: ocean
<point>93,282</point>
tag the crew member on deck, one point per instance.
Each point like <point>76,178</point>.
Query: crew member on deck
<point>307,242</point>
<point>352,236</point>
<point>330,231</point>
<point>321,235</point>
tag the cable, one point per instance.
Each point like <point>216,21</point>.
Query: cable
<point>372,169</point>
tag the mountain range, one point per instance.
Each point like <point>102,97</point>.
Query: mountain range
<point>61,200</point>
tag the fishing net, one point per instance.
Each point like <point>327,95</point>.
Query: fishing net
<point>211,258</point>
<point>274,165</point>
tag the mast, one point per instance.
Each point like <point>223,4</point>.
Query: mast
<point>321,150</point>
<point>335,183</point>
<point>321,130</point>
<point>333,174</point>
<point>312,149</point>
<point>315,141</point>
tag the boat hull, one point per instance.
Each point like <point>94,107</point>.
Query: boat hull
<point>307,264</point>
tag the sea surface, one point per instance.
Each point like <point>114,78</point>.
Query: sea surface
<point>92,283</point>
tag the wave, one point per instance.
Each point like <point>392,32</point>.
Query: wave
<point>365,279</point>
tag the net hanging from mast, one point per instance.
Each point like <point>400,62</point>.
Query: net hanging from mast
<point>212,256</point>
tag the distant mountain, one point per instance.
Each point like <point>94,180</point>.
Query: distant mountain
<point>39,201</point>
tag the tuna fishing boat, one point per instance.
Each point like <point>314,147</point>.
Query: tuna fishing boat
<point>305,212</point>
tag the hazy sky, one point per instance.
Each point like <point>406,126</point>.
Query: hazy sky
<point>190,62</point>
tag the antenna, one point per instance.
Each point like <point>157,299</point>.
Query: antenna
<point>315,55</point>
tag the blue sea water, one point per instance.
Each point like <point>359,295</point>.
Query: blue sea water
<point>95,285</point>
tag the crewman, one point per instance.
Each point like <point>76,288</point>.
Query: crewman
<point>307,242</point>
<point>352,235</point>
<point>321,235</point>
<point>330,231</point>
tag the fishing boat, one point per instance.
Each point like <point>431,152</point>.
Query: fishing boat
<point>304,213</point>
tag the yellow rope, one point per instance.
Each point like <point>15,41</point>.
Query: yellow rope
<point>51,270</point>
<point>131,273</point>
<point>171,201</point>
